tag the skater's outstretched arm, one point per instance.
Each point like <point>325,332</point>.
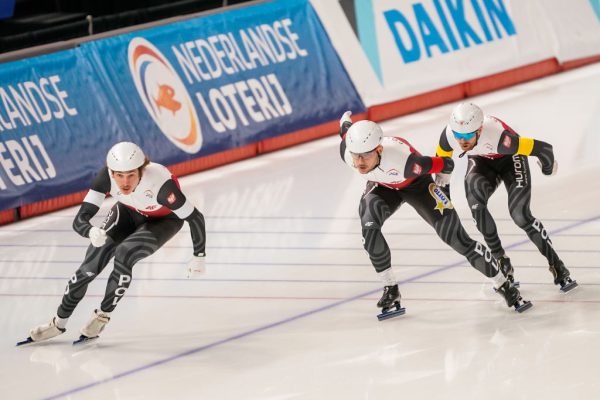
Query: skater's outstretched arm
<point>511,143</point>
<point>424,165</point>
<point>533,147</point>
<point>91,203</point>
<point>173,198</point>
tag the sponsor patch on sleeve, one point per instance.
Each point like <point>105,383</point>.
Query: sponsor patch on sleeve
<point>442,202</point>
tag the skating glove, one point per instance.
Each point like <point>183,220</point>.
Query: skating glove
<point>442,179</point>
<point>197,266</point>
<point>548,170</point>
<point>346,118</point>
<point>97,236</point>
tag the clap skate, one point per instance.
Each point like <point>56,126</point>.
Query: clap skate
<point>43,332</point>
<point>390,303</point>
<point>562,277</point>
<point>505,266</point>
<point>94,326</point>
<point>513,297</point>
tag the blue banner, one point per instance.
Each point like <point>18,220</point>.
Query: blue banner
<point>180,91</point>
<point>7,8</point>
<point>55,123</point>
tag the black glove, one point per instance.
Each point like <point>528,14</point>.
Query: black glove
<point>448,165</point>
<point>345,123</point>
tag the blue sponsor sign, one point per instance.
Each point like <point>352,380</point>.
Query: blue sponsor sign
<point>181,91</point>
<point>55,123</point>
<point>427,29</point>
<point>432,31</point>
<point>225,80</point>
<point>7,8</point>
<point>596,6</point>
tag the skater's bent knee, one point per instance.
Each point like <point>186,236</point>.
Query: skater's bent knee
<point>522,220</point>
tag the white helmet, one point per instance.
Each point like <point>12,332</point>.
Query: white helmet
<point>125,156</point>
<point>466,118</point>
<point>363,136</point>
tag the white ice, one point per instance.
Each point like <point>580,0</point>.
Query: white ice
<point>287,307</point>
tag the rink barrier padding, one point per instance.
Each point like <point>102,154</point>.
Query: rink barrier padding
<point>271,71</point>
<point>315,115</point>
<point>413,104</point>
<point>375,113</point>
<point>46,206</point>
<point>7,216</point>
<point>398,49</point>
<point>214,160</point>
<point>512,77</point>
<point>463,90</point>
<point>579,63</point>
<point>303,136</point>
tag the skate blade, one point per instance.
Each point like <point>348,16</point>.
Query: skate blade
<point>26,341</point>
<point>569,286</point>
<point>396,312</point>
<point>526,305</point>
<point>84,339</point>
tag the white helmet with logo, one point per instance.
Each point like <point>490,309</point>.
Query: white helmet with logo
<point>363,136</point>
<point>125,156</point>
<point>466,118</point>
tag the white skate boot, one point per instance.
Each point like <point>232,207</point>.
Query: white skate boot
<point>43,332</point>
<point>94,326</point>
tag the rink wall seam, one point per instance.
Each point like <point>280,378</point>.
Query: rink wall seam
<point>378,112</point>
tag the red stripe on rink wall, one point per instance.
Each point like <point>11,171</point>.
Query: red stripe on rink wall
<point>466,89</point>
<point>46,206</point>
<point>579,63</point>
<point>214,160</point>
<point>303,135</point>
<point>511,77</point>
<point>7,216</point>
<point>420,102</point>
<point>378,112</point>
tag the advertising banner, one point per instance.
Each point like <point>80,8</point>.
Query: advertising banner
<point>55,124</point>
<point>575,27</point>
<point>395,49</point>
<point>7,8</point>
<point>209,84</point>
<point>181,91</point>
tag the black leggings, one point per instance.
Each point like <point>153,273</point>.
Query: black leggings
<point>378,203</point>
<point>131,237</point>
<point>481,181</point>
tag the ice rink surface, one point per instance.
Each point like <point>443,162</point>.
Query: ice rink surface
<point>287,307</point>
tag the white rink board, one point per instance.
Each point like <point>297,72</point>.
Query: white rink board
<point>400,48</point>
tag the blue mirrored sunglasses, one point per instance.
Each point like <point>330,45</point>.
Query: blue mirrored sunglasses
<point>464,136</point>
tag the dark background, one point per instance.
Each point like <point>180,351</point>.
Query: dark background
<point>37,22</point>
